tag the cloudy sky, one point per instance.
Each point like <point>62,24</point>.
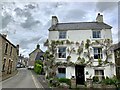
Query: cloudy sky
<point>27,23</point>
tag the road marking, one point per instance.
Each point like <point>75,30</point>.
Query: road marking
<point>35,82</point>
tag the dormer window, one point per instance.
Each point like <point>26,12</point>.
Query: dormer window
<point>62,34</point>
<point>96,34</point>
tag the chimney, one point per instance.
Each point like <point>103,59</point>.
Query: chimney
<point>4,35</point>
<point>17,49</point>
<point>54,20</point>
<point>38,46</point>
<point>99,18</point>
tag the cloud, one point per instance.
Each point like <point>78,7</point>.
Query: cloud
<point>26,42</point>
<point>30,22</point>
<point>6,20</point>
<point>104,6</point>
<point>27,23</point>
<point>30,6</point>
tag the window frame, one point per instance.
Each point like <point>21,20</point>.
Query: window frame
<point>100,76</point>
<point>62,34</point>
<point>11,50</point>
<point>62,52</point>
<point>98,52</point>
<point>6,48</point>
<point>61,73</point>
<point>96,33</point>
<point>4,63</point>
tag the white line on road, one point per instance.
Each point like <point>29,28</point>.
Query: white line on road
<point>35,82</point>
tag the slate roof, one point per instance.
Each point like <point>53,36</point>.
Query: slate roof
<point>35,50</point>
<point>80,26</point>
<point>7,40</point>
<point>39,54</point>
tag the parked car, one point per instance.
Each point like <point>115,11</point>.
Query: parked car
<point>20,65</point>
<point>30,67</point>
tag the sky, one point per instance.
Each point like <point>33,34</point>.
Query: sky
<point>27,23</point>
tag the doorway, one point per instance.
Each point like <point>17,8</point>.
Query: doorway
<point>80,77</point>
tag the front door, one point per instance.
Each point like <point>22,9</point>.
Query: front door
<point>79,71</point>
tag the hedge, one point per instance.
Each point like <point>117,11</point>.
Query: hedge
<point>38,68</point>
<point>65,80</point>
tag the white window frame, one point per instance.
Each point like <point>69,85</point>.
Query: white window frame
<point>62,34</point>
<point>99,73</point>
<point>98,53</point>
<point>96,33</point>
<point>64,52</point>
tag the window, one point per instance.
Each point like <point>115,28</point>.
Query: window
<point>10,51</point>
<point>100,74</point>
<point>62,52</point>
<point>97,53</point>
<point>3,67</point>
<point>62,34</point>
<point>6,47</point>
<point>96,34</point>
<point>61,72</point>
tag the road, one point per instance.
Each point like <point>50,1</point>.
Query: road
<point>23,79</point>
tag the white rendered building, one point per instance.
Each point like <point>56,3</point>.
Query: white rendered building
<point>80,32</point>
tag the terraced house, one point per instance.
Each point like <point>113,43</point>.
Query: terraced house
<point>8,56</point>
<point>82,49</point>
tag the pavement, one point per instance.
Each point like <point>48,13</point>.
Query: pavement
<point>23,79</point>
<point>42,80</point>
<point>9,75</point>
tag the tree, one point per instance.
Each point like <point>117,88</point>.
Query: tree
<point>87,54</point>
<point>107,49</point>
<point>50,56</point>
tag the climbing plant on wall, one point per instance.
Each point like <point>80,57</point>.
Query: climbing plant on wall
<point>83,50</point>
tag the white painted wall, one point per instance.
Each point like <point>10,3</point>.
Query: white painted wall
<point>70,71</point>
<point>83,35</point>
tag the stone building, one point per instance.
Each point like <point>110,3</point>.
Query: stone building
<point>33,54</point>
<point>8,55</point>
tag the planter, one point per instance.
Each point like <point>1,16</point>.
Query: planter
<point>73,83</point>
<point>89,83</point>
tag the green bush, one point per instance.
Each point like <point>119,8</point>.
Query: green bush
<point>54,82</point>
<point>38,68</point>
<point>65,80</point>
<point>110,81</point>
<point>95,79</point>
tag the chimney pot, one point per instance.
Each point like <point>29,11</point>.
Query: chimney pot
<point>99,18</point>
<point>54,20</point>
<point>4,35</point>
<point>98,13</point>
<point>38,46</point>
